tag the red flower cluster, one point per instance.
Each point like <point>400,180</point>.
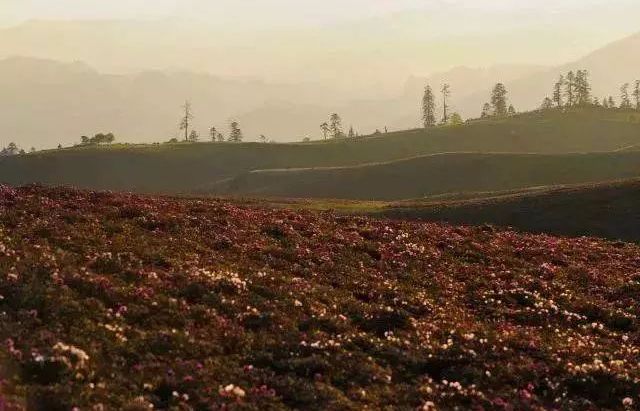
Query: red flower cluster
<point>119,301</point>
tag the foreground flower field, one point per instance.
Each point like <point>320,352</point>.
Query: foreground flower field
<point>116,301</point>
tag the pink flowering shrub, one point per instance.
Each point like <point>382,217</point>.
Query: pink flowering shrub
<point>117,301</point>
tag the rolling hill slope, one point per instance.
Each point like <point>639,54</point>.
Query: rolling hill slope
<point>186,168</point>
<point>436,174</point>
<point>608,210</point>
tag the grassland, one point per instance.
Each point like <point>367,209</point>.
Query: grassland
<point>188,168</point>
<point>120,301</point>
<point>437,174</point>
<point>608,210</point>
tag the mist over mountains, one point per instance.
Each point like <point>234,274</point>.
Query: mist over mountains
<point>63,88</point>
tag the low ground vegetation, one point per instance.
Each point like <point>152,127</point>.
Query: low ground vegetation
<point>119,301</point>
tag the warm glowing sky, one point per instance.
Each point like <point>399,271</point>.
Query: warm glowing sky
<point>263,12</point>
<point>332,52</point>
<point>299,40</point>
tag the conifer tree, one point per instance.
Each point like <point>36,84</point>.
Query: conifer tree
<point>636,94</point>
<point>582,88</point>
<point>235,134</point>
<point>213,133</point>
<point>625,101</point>
<point>569,92</point>
<point>428,108</point>
<point>486,111</point>
<point>557,91</point>
<point>446,93</point>
<point>335,126</point>
<point>499,100</point>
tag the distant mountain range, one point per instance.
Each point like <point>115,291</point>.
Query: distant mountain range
<point>609,67</point>
<point>46,102</point>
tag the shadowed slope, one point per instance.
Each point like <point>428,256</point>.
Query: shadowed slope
<point>437,174</point>
<point>603,210</point>
<point>200,167</point>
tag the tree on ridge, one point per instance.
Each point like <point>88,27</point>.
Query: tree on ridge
<point>557,92</point>
<point>625,101</point>
<point>324,127</point>
<point>235,134</point>
<point>428,108</point>
<point>486,111</point>
<point>446,93</point>
<point>636,94</point>
<point>456,119</point>
<point>499,100</point>
<point>335,126</point>
<point>185,121</point>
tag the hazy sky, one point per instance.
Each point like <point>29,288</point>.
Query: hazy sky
<point>299,40</point>
<point>313,54</point>
<point>268,12</point>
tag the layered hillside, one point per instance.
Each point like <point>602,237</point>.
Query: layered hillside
<point>209,167</point>
<point>117,301</point>
<point>437,174</point>
<point>606,210</point>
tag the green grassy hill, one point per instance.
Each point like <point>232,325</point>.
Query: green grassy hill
<point>604,210</point>
<point>201,167</point>
<point>437,174</point>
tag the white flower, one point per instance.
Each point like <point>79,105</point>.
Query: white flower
<point>627,402</point>
<point>81,357</point>
<point>232,389</point>
<point>429,406</point>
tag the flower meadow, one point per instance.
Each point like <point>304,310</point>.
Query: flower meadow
<point>124,302</point>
